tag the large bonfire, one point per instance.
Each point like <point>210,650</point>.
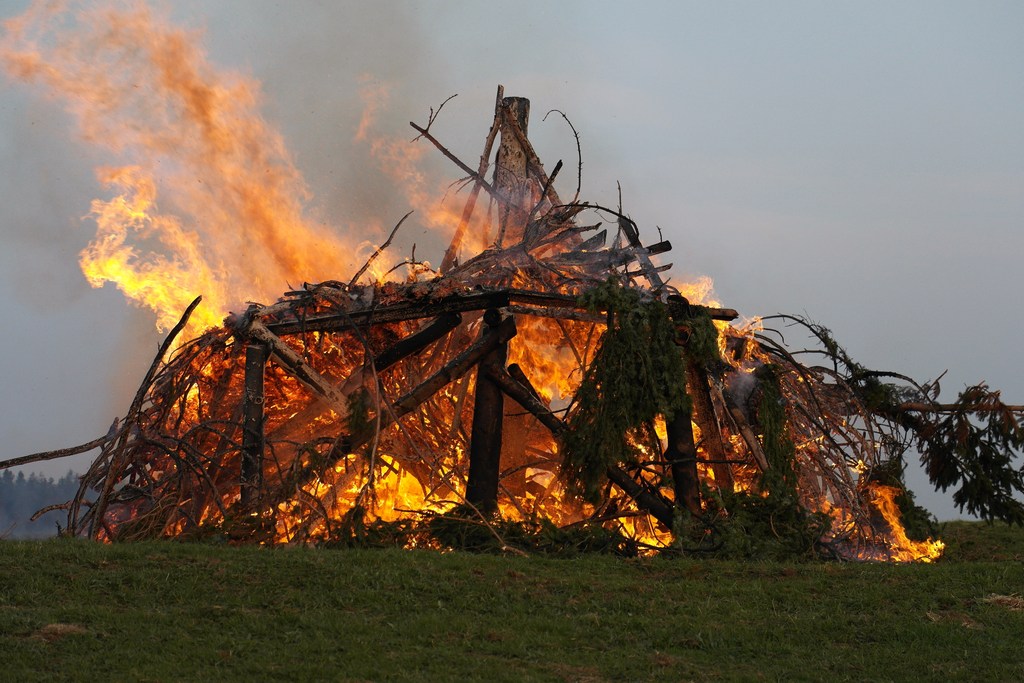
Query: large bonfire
<point>545,381</point>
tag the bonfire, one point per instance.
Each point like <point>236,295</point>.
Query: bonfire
<point>545,380</point>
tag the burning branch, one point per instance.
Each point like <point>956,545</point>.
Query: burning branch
<point>343,408</point>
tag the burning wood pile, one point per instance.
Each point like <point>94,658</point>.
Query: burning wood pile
<point>552,381</point>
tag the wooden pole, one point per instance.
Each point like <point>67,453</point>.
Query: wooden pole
<point>414,343</point>
<point>488,417</point>
<point>510,170</point>
<point>455,368</point>
<point>681,454</point>
<point>251,479</point>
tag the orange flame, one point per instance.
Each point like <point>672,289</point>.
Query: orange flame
<point>233,226</point>
<point>902,548</point>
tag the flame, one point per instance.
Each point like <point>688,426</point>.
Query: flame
<point>232,226</point>
<point>902,549</point>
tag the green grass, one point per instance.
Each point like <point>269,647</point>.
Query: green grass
<point>179,612</point>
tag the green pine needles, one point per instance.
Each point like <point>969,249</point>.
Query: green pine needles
<point>637,374</point>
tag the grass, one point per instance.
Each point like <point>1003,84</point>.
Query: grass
<point>73,610</point>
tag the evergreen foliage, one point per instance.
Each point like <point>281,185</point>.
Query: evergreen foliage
<point>702,343</point>
<point>772,527</point>
<point>976,447</point>
<point>780,479</point>
<point>973,445</point>
<point>636,375</point>
<point>771,524</point>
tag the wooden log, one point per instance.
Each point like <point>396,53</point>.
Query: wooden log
<point>646,499</point>
<point>455,303</point>
<point>743,427</point>
<point>455,368</point>
<point>452,252</point>
<point>525,395</point>
<point>516,373</point>
<point>510,175</point>
<point>593,243</point>
<point>472,301</point>
<point>488,419</point>
<point>605,259</point>
<point>444,324</point>
<point>559,314</point>
<point>393,354</point>
<point>681,454</point>
<point>408,402</point>
<point>633,235</point>
<point>251,475</point>
<point>699,388</point>
<point>534,167</point>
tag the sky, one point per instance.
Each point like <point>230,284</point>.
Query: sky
<point>860,163</point>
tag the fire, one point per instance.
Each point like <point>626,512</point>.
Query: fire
<point>883,498</point>
<point>208,201</point>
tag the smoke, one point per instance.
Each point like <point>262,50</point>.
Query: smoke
<point>207,196</point>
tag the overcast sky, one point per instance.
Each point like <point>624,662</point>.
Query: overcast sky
<point>861,163</point>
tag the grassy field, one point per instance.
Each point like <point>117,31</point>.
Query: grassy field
<point>175,612</point>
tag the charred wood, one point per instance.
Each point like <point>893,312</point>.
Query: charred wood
<point>251,479</point>
<point>488,420</point>
<point>444,324</point>
<point>681,454</point>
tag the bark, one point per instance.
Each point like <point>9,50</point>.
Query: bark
<point>681,454</point>
<point>511,181</point>
<point>251,479</point>
<point>488,418</point>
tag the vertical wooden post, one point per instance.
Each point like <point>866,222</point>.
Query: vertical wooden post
<point>510,173</point>
<point>488,415</point>
<point>251,476</point>
<point>681,455</point>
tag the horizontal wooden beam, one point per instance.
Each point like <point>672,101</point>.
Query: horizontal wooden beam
<point>456,303</point>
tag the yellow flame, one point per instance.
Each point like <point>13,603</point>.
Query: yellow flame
<point>233,226</point>
<point>903,549</point>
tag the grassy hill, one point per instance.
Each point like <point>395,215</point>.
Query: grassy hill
<point>185,612</point>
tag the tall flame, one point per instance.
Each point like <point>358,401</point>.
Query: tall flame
<point>209,201</point>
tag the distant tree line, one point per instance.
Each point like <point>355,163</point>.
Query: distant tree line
<point>21,497</point>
